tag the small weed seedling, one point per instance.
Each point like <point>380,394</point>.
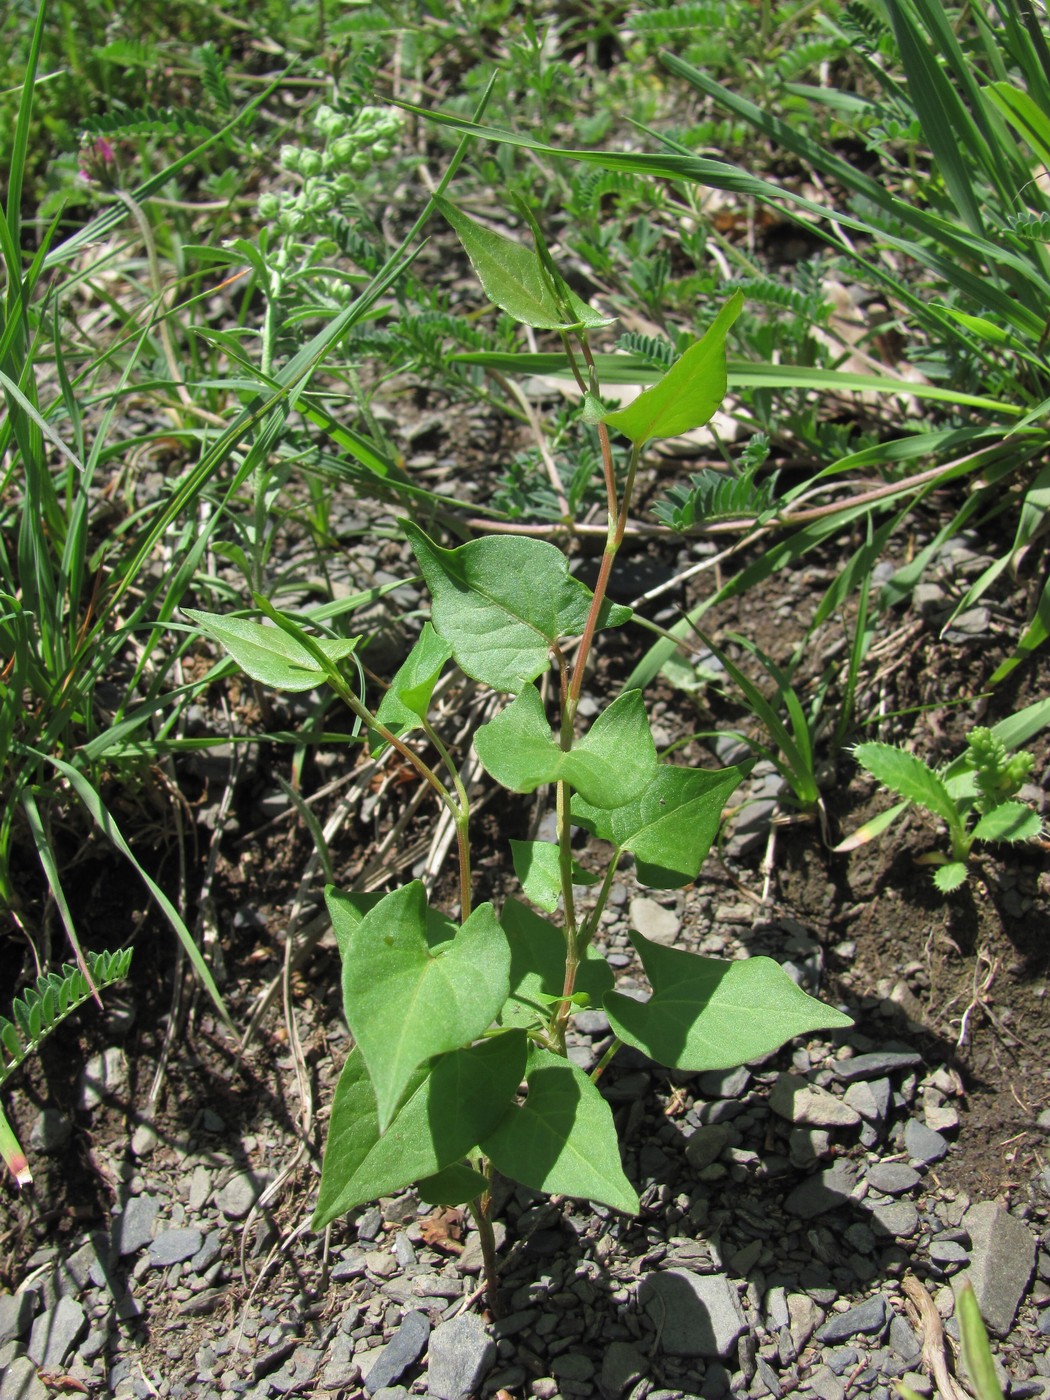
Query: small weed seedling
<point>981,785</point>
<point>449,1019</point>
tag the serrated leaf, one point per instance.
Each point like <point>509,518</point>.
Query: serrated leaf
<point>1010,821</point>
<point>562,1139</point>
<point>405,1002</point>
<point>454,1186</point>
<point>405,704</point>
<point>705,1013</point>
<point>269,655</point>
<point>514,277</point>
<point>671,826</point>
<point>537,967</point>
<point>909,777</point>
<point>687,395</point>
<point>538,868</point>
<point>951,876</point>
<point>449,1105</point>
<point>502,602</point>
<point>869,830</point>
<point>608,766</point>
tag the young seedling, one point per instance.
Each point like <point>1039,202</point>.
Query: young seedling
<point>450,1018</point>
<point>980,785</point>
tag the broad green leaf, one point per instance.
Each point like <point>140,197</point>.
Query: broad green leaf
<point>671,827</point>
<point>502,602</point>
<point>562,1139</point>
<point>909,777</point>
<point>538,868</point>
<point>449,1105</point>
<point>347,908</point>
<point>608,766</point>
<point>537,967</point>
<point>868,832</point>
<point>405,1003</point>
<point>454,1186</point>
<point>951,876</point>
<point>1010,821</point>
<point>405,704</point>
<point>708,1014</point>
<point>269,655</point>
<point>690,391</point>
<point>514,277</point>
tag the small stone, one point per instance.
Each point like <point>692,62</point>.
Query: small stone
<point>800,1102</point>
<point>892,1178</point>
<point>55,1333</point>
<point>695,1315</point>
<point>922,1143</point>
<point>866,1319</point>
<point>947,1253</point>
<point>241,1192</point>
<point>825,1384</point>
<point>144,1140</point>
<point>822,1192</point>
<point>1001,1262</point>
<point>903,1340</point>
<point>16,1315</point>
<point>173,1246</point>
<point>622,1367</point>
<point>404,1349</point>
<point>653,921</point>
<point>941,1117</point>
<point>875,1065</point>
<point>133,1227</point>
<point>806,1316</point>
<point>724,1083</point>
<point>103,1076</point>
<point>706,1145</point>
<point>897,1218</point>
<point>19,1381</point>
<point>461,1355</point>
<point>50,1132</point>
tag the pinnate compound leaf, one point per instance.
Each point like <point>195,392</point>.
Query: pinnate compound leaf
<point>706,1013</point>
<point>405,704</point>
<point>1010,821</point>
<point>951,876</point>
<point>269,655</point>
<point>688,394</point>
<point>609,765</point>
<point>538,868</point>
<point>448,1106</point>
<point>454,1186</point>
<point>909,777</point>
<point>562,1139</point>
<point>502,602</point>
<point>405,1003</point>
<point>670,828</point>
<point>537,967</point>
<point>514,277</point>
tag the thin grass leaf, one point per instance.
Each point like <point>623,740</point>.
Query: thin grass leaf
<point>46,856</point>
<point>871,829</point>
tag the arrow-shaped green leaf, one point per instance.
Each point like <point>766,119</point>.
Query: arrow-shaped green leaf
<point>405,1002</point>
<point>502,602</point>
<point>563,1138</point>
<point>269,655</point>
<point>690,391</point>
<point>537,967</point>
<point>708,1014</point>
<point>609,765</point>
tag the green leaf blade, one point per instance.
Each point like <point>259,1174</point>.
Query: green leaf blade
<point>404,706</point>
<point>1010,821</point>
<point>537,970</point>
<point>537,865</point>
<point>908,777</point>
<point>404,1003</point>
<point>269,655</point>
<point>709,1014</point>
<point>563,1138</point>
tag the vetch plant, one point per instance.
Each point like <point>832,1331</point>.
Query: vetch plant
<point>982,785</point>
<point>459,1068</point>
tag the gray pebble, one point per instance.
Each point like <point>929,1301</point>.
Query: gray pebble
<point>800,1102</point>
<point>874,1065</point>
<point>103,1076</point>
<point>19,1381</point>
<point>694,1315</point>
<point>922,1143</point>
<point>903,1340</point>
<point>866,1319</point>
<point>892,1178</point>
<point>461,1355</point>
<point>404,1349</point>
<point>50,1132</point>
<point>899,1218</point>
<point>133,1228</point>
<point>707,1144</point>
<point>55,1333</point>
<point>16,1314</point>
<point>622,1367</point>
<point>173,1246</point>
<point>1001,1262</point>
<point>822,1192</point>
<point>241,1192</point>
<point>653,921</point>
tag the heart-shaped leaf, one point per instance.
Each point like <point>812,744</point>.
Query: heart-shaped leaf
<point>405,1002</point>
<point>562,1139</point>
<point>347,908</point>
<point>705,1013</point>
<point>538,867</point>
<point>449,1105</point>
<point>502,602</point>
<point>537,967</point>
<point>608,766</point>
<point>405,704</point>
<point>670,827</point>
<point>269,655</point>
<point>688,394</point>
